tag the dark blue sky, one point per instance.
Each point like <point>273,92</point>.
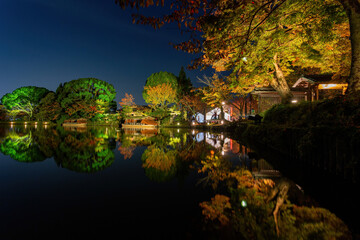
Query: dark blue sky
<point>48,42</point>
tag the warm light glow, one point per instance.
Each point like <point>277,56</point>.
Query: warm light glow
<point>178,123</point>
<point>222,153</point>
<point>193,132</point>
<point>222,122</point>
<point>294,101</point>
<point>243,203</point>
<point>222,103</point>
<point>193,123</point>
<point>327,86</point>
<point>208,123</point>
<point>178,130</point>
<point>11,124</point>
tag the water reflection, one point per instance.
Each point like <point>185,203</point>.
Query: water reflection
<point>251,200</point>
<point>80,150</point>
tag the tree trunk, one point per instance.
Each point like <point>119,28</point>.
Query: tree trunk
<point>279,83</point>
<point>352,8</point>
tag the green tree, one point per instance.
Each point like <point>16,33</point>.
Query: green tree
<point>24,100</point>
<point>21,148</point>
<point>49,108</point>
<point>85,97</point>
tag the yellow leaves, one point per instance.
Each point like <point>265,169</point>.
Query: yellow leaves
<point>158,159</point>
<point>160,95</point>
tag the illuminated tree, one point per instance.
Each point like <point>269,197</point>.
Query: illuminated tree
<point>160,78</point>
<point>227,31</point>
<point>127,103</point>
<point>193,103</point>
<point>24,100</point>
<point>160,96</point>
<point>49,108</point>
<point>276,38</point>
<point>3,113</point>
<point>85,97</point>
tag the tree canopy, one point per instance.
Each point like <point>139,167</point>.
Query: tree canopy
<point>85,97</point>
<point>225,32</point>
<point>160,78</point>
<point>23,100</point>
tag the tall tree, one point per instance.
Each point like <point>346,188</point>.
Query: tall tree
<point>352,8</point>
<point>184,83</point>
<point>23,100</point>
<point>250,18</point>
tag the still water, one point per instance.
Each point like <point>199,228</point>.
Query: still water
<point>108,183</point>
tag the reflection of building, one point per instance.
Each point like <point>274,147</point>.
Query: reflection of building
<point>141,131</point>
<point>140,122</point>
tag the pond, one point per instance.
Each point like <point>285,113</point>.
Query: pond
<point>78,183</point>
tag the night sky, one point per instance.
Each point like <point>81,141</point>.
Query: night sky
<point>47,42</point>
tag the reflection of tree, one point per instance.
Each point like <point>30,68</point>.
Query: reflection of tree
<point>160,166</point>
<point>84,152</point>
<point>21,148</point>
<point>246,213</point>
<point>127,152</point>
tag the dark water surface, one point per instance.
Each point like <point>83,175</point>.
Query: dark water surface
<point>109,184</point>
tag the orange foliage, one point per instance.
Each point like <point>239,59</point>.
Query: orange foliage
<point>127,152</point>
<point>215,209</point>
<point>128,100</point>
